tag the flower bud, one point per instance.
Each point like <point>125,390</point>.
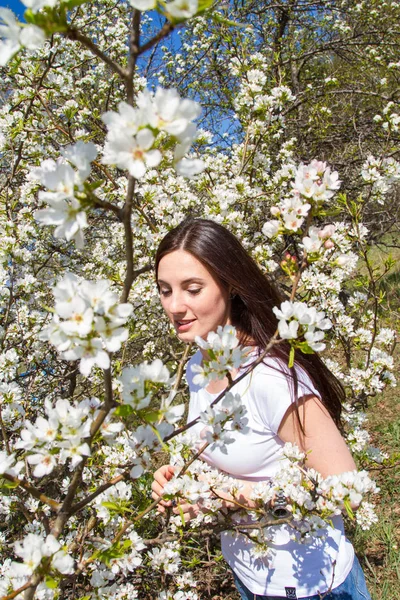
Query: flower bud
<point>328,244</point>
<point>327,232</point>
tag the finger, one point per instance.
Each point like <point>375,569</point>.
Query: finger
<point>188,512</point>
<point>170,472</point>
<point>157,488</point>
<point>157,495</point>
<point>182,508</point>
<point>164,474</point>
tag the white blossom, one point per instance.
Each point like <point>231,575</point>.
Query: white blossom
<point>16,35</point>
<point>85,309</point>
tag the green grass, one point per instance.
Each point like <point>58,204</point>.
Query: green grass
<point>379,548</point>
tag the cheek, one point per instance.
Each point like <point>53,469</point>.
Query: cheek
<point>217,307</point>
<point>164,304</point>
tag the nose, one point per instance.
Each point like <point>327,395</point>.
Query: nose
<point>177,305</point>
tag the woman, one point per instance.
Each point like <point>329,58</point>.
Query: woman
<point>206,279</point>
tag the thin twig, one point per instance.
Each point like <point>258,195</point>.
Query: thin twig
<point>102,488</point>
<point>76,35</point>
<point>15,593</point>
<point>166,30</point>
<point>32,490</point>
<point>126,219</point>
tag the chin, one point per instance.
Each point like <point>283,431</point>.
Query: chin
<point>186,337</point>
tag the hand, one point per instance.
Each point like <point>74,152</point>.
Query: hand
<point>161,477</point>
<point>187,511</point>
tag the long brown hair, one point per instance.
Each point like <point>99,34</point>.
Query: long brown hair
<point>253,297</point>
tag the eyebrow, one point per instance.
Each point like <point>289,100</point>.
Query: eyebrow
<point>184,282</point>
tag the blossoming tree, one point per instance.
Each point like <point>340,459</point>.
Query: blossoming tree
<point>104,148</point>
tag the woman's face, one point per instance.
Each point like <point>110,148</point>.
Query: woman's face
<point>193,298</point>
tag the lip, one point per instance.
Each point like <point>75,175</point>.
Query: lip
<point>184,325</point>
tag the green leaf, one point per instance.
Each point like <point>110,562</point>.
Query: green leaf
<point>8,485</point>
<point>182,515</point>
<point>211,356</point>
<point>305,348</point>
<point>124,410</point>
<point>151,416</point>
<point>93,185</point>
<point>348,508</point>
<point>115,551</point>
<point>204,5</point>
<point>72,3</point>
<point>51,582</point>
<point>29,16</point>
<point>111,505</point>
<point>291,357</point>
<point>218,18</point>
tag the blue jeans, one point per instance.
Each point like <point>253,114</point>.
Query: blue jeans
<point>352,588</point>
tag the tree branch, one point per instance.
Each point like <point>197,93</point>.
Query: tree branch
<point>33,491</point>
<point>76,35</point>
<point>166,30</point>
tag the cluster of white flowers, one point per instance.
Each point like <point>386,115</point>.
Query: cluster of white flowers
<point>296,319</point>
<point>366,516</point>
<point>316,181</point>
<point>221,420</point>
<point>318,239</point>
<point>59,437</point>
<point>131,141</point>
<point>175,10</point>
<point>188,488</point>
<point>88,322</point>
<point>133,382</point>
<point>186,595</point>
<point>254,98</point>
<point>65,193</point>
<point>348,487</point>
<point>382,174</point>
<point>223,355</point>
<point>313,184</point>
<point>119,493</point>
<point>12,410</point>
<point>135,447</point>
<point>32,549</point>
<point>15,35</point>
<point>390,120</point>
<point>372,377</point>
<point>166,558</point>
<point>311,499</point>
<point>253,92</point>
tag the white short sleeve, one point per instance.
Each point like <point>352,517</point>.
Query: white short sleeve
<point>272,391</point>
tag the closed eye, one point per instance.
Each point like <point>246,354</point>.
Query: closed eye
<point>194,292</point>
<point>165,292</point>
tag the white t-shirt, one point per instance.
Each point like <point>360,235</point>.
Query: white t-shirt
<point>255,456</point>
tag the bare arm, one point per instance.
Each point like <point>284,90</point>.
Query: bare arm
<point>328,452</point>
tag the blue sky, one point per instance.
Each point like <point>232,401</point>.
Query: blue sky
<point>15,6</point>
